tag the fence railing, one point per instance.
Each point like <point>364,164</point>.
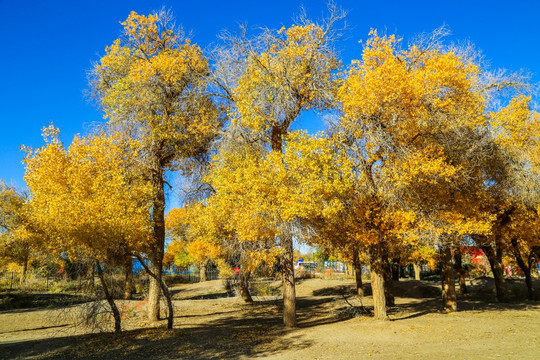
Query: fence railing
<point>11,280</point>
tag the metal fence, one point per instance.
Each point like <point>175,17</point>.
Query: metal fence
<point>195,277</point>
<point>11,280</point>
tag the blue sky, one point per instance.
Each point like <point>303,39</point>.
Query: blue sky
<point>48,46</point>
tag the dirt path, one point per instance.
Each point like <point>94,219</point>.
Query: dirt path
<point>212,325</point>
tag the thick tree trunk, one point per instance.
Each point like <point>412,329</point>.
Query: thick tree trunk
<point>496,268</point>
<point>377,281</point>
<point>402,272</point>
<point>110,300</point>
<point>157,251</point>
<point>460,272</point>
<point>388,283</point>
<point>448,280</point>
<point>416,268</point>
<point>287,266</point>
<point>525,267</point>
<point>395,269</point>
<point>358,273</point>
<point>243,286</point>
<point>202,271</point>
<point>128,279</point>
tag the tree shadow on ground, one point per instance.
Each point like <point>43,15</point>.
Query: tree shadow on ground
<point>254,333</point>
<point>427,299</point>
<point>24,302</point>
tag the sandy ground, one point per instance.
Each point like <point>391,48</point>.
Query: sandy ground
<point>210,324</point>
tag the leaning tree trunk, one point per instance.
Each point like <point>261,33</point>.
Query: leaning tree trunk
<point>202,271</point>
<point>416,268</point>
<point>388,283</point>
<point>448,280</point>
<point>243,286</point>
<point>110,300</point>
<point>395,269</point>
<point>377,281</point>
<point>164,290</point>
<point>525,267</point>
<point>128,279</point>
<point>358,273</point>
<point>157,251</point>
<point>496,268</point>
<point>287,268</point>
<point>460,272</point>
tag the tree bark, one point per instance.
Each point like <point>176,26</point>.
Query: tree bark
<point>460,272</point>
<point>24,270</point>
<point>525,267</point>
<point>448,280</point>
<point>110,300</point>
<point>157,251</point>
<point>243,286</point>
<point>358,273</point>
<point>388,283</point>
<point>416,268</point>
<point>377,281</point>
<point>202,271</point>
<point>287,267</point>
<point>496,268</point>
<point>128,280</point>
<point>164,290</point>
<point>395,269</point>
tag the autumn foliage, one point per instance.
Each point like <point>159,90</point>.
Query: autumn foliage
<point>425,151</point>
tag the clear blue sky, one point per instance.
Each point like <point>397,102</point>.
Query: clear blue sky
<point>46,48</point>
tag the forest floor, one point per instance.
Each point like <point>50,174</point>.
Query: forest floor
<point>332,324</point>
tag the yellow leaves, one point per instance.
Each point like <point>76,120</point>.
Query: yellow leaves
<point>404,90</point>
<point>293,73</point>
<point>516,127</point>
<point>150,82</point>
<point>428,165</point>
<point>201,250</point>
<point>260,190</point>
<point>87,197</point>
<point>266,257</point>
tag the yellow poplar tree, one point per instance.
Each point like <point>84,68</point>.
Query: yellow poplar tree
<point>277,76</point>
<point>149,85</point>
<point>395,103</point>
<point>88,202</point>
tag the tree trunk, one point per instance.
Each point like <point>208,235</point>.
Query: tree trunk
<point>164,290</point>
<point>377,281</point>
<point>496,268</point>
<point>460,272</point>
<point>358,273</point>
<point>402,272</point>
<point>243,286</point>
<point>202,271</point>
<point>110,300</point>
<point>24,270</point>
<point>525,267</point>
<point>90,274</point>
<point>448,280</point>
<point>416,268</point>
<point>395,269</point>
<point>287,267</point>
<point>157,251</point>
<point>128,280</point>
<point>388,283</point>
